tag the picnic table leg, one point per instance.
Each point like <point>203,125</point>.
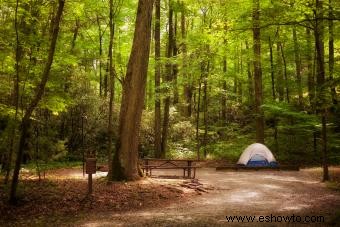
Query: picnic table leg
<point>189,169</point>
<point>194,173</point>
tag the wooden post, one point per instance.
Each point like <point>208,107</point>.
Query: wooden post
<point>90,169</point>
<point>90,183</point>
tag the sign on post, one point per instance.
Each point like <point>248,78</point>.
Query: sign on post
<point>91,165</point>
<point>90,169</point>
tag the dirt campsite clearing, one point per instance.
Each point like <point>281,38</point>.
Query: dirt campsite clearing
<point>168,202</point>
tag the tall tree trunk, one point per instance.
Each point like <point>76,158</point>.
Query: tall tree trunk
<point>272,68</point>
<point>111,88</point>
<point>186,75</point>
<point>224,92</point>
<point>310,74</point>
<point>158,138</point>
<point>18,57</point>
<point>331,49</point>
<point>259,118</point>
<point>175,66</point>
<point>285,72</point>
<point>279,71</point>
<point>25,123</point>
<point>100,37</point>
<point>205,113</point>
<point>320,79</point>
<point>240,83</point>
<point>168,79</point>
<point>125,162</point>
<point>297,66</point>
<point>250,79</point>
<point>198,145</point>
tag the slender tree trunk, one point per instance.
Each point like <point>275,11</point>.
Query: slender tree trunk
<point>279,71</point>
<point>18,57</point>
<point>240,83</point>
<point>250,79</point>
<point>168,79</point>
<point>224,92</point>
<point>205,113</point>
<point>285,72</point>
<point>272,68</point>
<point>297,66</point>
<point>310,74</point>
<point>125,162</point>
<point>186,75</point>
<point>331,49</point>
<point>259,118</point>
<point>158,138</point>
<point>175,66</point>
<point>320,79</point>
<point>25,123</point>
<point>198,145</point>
<point>236,68</point>
<point>111,87</point>
<point>100,36</point>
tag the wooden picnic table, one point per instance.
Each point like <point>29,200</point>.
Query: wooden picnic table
<point>170,164</point>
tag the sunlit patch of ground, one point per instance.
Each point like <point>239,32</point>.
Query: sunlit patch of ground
<point>62,194</point>
<point>165,203</point>
<point>239,193</point>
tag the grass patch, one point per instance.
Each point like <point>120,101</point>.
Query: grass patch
<point>52,165</point>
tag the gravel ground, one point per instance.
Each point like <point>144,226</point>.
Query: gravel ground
<point>266,193</point>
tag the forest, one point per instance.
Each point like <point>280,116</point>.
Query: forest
<point>122,80</point>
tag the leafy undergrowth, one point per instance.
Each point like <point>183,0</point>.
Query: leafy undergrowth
<point>67,198</point>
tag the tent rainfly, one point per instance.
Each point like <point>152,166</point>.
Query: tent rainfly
<point>257,155</point>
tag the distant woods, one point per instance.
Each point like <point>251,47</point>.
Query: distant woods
<point>121,80</point>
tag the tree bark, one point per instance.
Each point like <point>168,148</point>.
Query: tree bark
<point>18,57</point>
<point>285,72</point>
<point>168,79</point>
<point>310,74</point>
<point>175,66</point>
<point>158,120</point>
<point>331,49</point>
<point>186,75</point>
<point>224,92</point>
<point>259,118</point>
<point>198,145</point>
<point>320,79</point>
<point>100,37</point>
<point>272,68</point>
<point>279,71</point>
<point>250,79</point>
<point>25,123</point>
<point>205,113</point>
<point>111,88</point>
<point>125,162</point>
<point>297,66</point>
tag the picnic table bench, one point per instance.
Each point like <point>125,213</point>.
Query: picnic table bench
<point>189,170</point>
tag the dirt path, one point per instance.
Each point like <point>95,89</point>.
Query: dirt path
<point>236,193</point>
